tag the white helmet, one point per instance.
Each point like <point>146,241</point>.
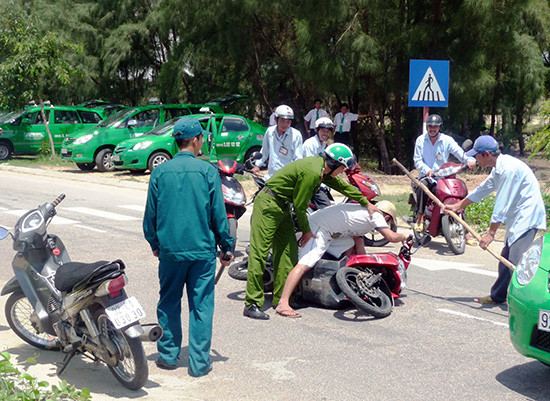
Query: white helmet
<point>285,112</point>
<point>324,122</point>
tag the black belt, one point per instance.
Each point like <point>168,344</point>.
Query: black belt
<point>270,192</point>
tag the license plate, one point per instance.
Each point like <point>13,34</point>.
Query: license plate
<point>63,151</point>
<point>116,158</point>
<point>544,320</point>
<point>125,312</point>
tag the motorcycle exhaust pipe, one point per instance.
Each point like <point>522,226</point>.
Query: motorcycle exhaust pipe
<point>151,332</point>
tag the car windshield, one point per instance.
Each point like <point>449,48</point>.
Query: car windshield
<point>116,119</point>
<point>8,118</point>
<point>164,128</point>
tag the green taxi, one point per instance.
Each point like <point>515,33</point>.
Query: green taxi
<point>94,146</point>
<point>24,132</point>
<point>232,136</point>
<point>529,302</point>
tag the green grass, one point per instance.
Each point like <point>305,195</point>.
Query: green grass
<point>401,202</point>
<point>37,161</point>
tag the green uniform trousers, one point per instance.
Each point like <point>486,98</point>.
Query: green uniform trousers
<point>271,226</point>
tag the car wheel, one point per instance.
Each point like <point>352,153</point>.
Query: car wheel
<point>104,160</point>
<point>249,161</point>
<point>5,151</point>
<point>157,159</point>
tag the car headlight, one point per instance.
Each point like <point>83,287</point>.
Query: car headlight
<point>83,139</point>
<point>142,145</point>
<point>527,267</point>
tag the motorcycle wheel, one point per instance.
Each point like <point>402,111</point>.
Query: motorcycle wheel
<point>454,233</point>
<point>376,239</point>
<point>131,369</point>
<point>239,271</point>
<point>233,230</point>
<point>372,300</point>
<point>20,315</point>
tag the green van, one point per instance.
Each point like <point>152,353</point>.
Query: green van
<point>94,146</point>
<point>24,132</point>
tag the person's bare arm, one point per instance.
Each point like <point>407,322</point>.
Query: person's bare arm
<point>391,235</point>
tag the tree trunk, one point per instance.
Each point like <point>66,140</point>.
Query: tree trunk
<point>379,130</point>
<point>519,131</point>
<point>190,97</point>
<point>47,124</point>
<point>494,103</point>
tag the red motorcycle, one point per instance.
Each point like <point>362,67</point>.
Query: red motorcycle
<point>449,190</point>
<point>234,196</point>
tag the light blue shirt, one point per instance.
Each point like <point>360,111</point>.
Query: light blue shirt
<point>280,150</point>
<point>518,201</point>
<point>312,147</point>
<point>428,156</point>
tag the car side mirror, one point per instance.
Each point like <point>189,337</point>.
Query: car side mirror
<point>132,123</point>
<point>25,121</point>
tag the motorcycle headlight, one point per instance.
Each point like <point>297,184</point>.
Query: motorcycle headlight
<point>235,197</point>
<point>142,145</point>
<point>83,139</point>
<point>527,267</point>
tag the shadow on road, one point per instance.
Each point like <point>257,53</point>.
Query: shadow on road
<point>530,379</point>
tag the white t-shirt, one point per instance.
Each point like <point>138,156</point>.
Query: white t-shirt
<point>334,228</point>
<point>311,117</point>
<point>312,147</point>
<point>346,123</point>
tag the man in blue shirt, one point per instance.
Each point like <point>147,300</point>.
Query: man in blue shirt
<point>184,220</point>
<point>281,143</point>
<point>518,203</point>
<point>432,150</point>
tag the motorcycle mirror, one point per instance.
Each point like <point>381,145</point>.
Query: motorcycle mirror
<point>425,240</point>
<point>3,233</point>
<point>257,155</point>
<point>467,145</point>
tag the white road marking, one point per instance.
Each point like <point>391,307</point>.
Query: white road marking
<point>97,230</point>
<point>452,312</point>
<point>438,265</point>
<point>3,208</point>
<point>137,208</point>
<point>101,213</point>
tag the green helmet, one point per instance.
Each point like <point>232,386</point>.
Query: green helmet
<point>338,154</point>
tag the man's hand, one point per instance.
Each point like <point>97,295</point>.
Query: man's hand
<point>452,208</point>
<point>305,238</point>
<point>372,209</point>
<point>226,258</point>
<point>156,253</point>
<point>486,240</point>
<point>255,170</point>
<point>430,173</point>
<point>471,164</point>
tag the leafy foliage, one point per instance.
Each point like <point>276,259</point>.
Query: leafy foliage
<point>20,385</point>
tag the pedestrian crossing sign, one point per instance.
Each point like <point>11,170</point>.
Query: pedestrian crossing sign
<point>428,83</point>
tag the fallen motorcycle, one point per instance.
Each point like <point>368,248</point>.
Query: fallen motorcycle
<point>370,282</point>
<point>78,308</point>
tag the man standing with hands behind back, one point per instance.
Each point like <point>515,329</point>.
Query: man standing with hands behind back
<point>518,203</point>
<point>184,220</point>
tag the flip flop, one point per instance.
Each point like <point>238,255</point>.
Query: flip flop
<point>471,242</point>
<point>288,313</point>
<point>486,300</point>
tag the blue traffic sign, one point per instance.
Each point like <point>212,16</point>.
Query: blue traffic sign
<point>428,83</point>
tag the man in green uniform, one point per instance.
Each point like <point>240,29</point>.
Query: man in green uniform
<point>272,224</point>
<point>184,220</point>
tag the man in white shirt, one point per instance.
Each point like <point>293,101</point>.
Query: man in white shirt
<point>281,144</point>
<point>342,124</point>
<point>272,117</point>
<point>315,146</point>
<point>432,150</point>
<point>313,115</point>
<point>518,203</point>
<point>338,230</point>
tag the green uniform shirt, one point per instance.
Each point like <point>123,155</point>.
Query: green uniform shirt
<point>298,181</point>
<point>185,215</point>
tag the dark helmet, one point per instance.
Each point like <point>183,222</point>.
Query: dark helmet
<point>434,120</point>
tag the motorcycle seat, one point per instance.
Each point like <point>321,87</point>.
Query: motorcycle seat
<point>75,275</point>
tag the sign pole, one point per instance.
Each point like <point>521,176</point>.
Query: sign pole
<point>426,113</point>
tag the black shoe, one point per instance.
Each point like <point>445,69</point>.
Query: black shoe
<point>254,312</point>
<point>163,365</point>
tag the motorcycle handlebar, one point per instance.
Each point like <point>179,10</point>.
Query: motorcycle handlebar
<point>58,200</point>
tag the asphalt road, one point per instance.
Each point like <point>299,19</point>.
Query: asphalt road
<point>437,344</point>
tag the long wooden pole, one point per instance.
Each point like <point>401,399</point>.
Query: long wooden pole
<point>504,261</point>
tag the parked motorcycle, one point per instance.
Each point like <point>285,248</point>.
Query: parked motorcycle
<point>449,190</point>
<point>78,308</point>
<point>234,196</point>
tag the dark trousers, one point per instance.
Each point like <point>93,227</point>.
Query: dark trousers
<point>321,198</point>
<point>421,196</point>
<point>513,253</point>
<point>343,137</point>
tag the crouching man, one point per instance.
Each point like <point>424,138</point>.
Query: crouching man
<point>338,230</point>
